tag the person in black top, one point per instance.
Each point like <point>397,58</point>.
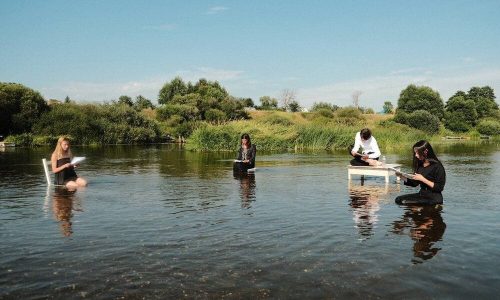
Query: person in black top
<point>246,155</point>
<point>61,165</point>
<point>429,174</point>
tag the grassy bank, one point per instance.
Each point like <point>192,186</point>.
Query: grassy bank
<point>285,131</point>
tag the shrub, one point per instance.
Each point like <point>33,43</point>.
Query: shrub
<point>488,127</point>
<point>457,121</point>
<point>215,115</point>
<point>423,120</point>
<point>325,112</point>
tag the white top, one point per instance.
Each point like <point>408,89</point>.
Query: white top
<point>369,145</point>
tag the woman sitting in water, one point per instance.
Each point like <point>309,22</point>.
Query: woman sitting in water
<point>61,165</point>
<point>246,155</point>
<point>429,174</point>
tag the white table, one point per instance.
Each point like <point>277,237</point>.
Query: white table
<point>373,171</point>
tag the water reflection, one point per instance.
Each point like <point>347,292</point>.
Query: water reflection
<point>364,200</point>
<point>247,188</point>
<point>64,203</point>
<point>426,227</point>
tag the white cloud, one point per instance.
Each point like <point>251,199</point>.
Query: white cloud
<point>377,90</point>
<point>216,10</point>
<point>149,88</point>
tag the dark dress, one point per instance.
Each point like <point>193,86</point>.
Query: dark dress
<point>68,174</point>
<point>248,155</point>
<point>427,195</point>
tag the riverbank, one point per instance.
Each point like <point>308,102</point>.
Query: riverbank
<point>278,131</point>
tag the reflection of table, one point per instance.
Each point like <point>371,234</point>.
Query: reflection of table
<point>373,171</point>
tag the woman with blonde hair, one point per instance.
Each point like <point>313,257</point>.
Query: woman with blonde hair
<point>63,169</point>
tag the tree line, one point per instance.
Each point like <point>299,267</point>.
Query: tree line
<point>184,107</point>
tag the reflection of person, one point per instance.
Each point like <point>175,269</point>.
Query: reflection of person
<point>61,165</point>
<point>429,174</point>
<point>247,188</point>
<point>426,228</point>
<point>364,201</point>
<point>246,155</point>
<point>62,206</point>
<point>371,152</point>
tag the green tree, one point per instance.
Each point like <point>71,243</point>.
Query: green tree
<point>169,90</point>
<point>460,114</point>
<point>268,103</point>
<point>324,105</point>
<point>210,89</point>
<point>125,100</point>
<point>484,99</point>
<point>142,103</point>
<point>294,106</point>
<point>67,100</point>
<point>415,98</point>
<point>20,107</point>
<point>388,108</point>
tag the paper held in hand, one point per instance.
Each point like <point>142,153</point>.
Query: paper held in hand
<point>77,159</point>
<point>237,160</point>
<point>401,174</point>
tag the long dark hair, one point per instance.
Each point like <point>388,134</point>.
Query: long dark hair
<point>425,151</point>
<point>247,137</point>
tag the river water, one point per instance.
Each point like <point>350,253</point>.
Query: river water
<point>161,222</point>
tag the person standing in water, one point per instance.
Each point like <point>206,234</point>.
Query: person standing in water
<point>429,174</point>
<point>61,165</point>
<point>246,155</point>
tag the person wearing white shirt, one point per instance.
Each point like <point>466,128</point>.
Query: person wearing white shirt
<point>370,154</point>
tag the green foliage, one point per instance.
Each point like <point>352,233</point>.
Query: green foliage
<point>276,119</point>
<point>369,111</point>
<point>248,102</point>
<point>323,106</point>
<point>125,100</point>
<point>187,112</point>
<point>415,98</point>
<point>423,120</point>
<point>142,103</point>
<point>20,107</point>
<point>169,90</point>
<point>388,108</point>
<point>214,138</point>
<point>489,127</point>
<point>294,106</point>
<point>348,116</point>
<point>325,112</point>
<point>461,114</point>
<point>268,103</point>
<point>215,115</point>
<point>97,124</point>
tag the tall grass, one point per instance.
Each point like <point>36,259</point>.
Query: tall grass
<point>281,132</point>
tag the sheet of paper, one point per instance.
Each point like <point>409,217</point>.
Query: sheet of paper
<point>77,159</point>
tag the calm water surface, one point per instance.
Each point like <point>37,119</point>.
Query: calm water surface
<point>161,222</point>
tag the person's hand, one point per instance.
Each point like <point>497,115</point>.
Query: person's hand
<point>353,153</point>
<point>246,161</point>
<point>68,165</point>
<point>364,157</point>
<point>418,177</point>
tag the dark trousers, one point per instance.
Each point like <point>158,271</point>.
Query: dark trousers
<point>357,159</point>
<point>424,197</point>
<point>241,167</point>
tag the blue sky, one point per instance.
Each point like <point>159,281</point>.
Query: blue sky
<point>322,50</point>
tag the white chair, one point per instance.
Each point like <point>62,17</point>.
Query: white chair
<point>46,169</point>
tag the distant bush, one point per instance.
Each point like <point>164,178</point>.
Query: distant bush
<point>215,115</point>
<point>348,116</point>
<point>423,120</point>
<point>488,127</point>
<point>276,119</point>
<point>323,105</point>
<point>325,112</point>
